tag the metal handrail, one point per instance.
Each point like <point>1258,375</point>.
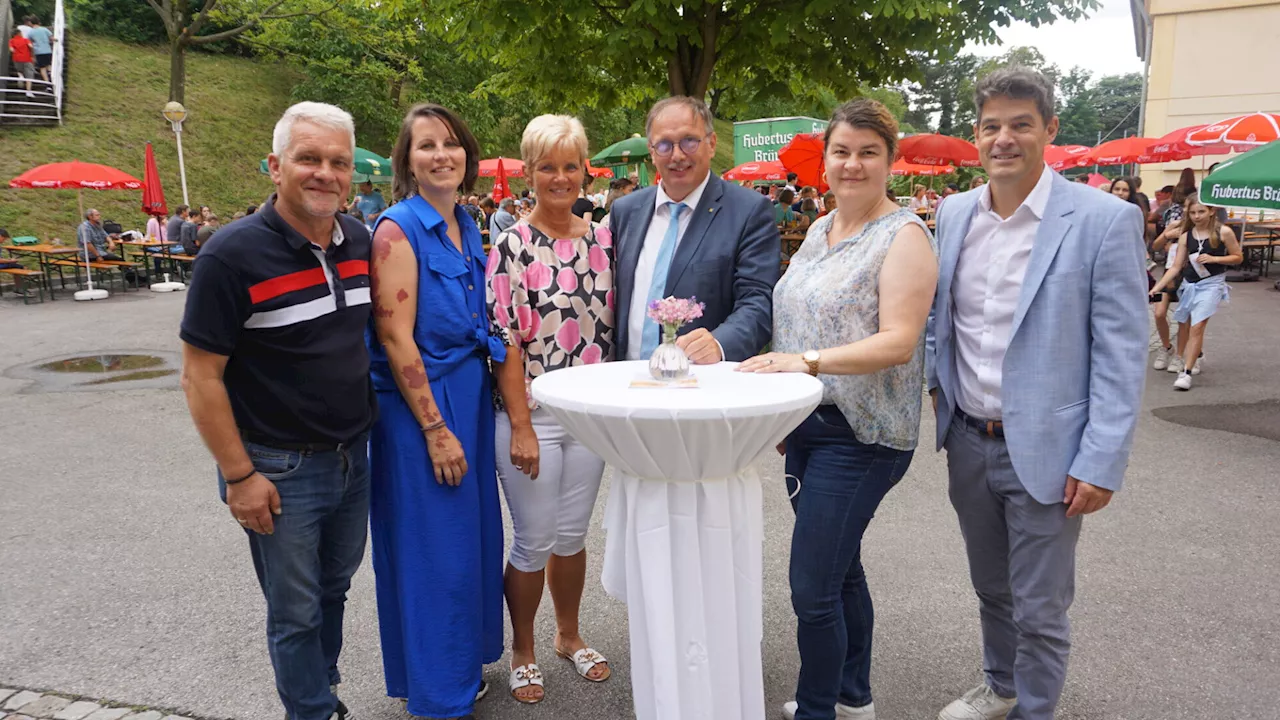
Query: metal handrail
<point>60,35</point>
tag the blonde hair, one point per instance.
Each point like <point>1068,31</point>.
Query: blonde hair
<point>1215,225</point>
<point>545,133</point>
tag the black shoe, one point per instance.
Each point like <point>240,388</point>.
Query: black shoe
<point>342,713</point>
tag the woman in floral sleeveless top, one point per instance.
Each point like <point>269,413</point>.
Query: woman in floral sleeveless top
<point>851,310</point>
<point>550,289</point>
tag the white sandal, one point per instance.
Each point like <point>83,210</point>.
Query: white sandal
<point>586,659</point>
<point>524,676</point>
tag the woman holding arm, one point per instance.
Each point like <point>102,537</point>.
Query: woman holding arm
<point>550,289</point>
<point>851,310</point>
<point>435,516</point>
<point>1204,252</point>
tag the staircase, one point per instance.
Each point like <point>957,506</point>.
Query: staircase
<point>43,105</point>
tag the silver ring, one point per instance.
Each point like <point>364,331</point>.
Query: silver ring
<point>770,361</point>
<point>242,522</point>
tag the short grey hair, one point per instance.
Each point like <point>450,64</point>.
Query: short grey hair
<point>1017,83</point>
<point>507,203</point>
<point>322,114</point>
<point>693,105</point>
<point>89,212</point>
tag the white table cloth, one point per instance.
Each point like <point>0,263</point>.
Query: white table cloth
<point>685,522</point>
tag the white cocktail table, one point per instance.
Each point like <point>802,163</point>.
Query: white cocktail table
<point>685,522</point>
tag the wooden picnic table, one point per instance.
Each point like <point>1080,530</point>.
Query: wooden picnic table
<point>142,245</point>
<point>43,252</point>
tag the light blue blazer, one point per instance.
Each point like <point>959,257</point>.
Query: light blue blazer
<point>1075,368</point>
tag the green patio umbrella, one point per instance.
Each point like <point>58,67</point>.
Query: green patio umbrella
<point>1251,180</point>
<point>624,152</point>
<point>369,167</point>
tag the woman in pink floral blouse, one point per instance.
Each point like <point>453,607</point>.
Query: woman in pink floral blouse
<point>550,288</point>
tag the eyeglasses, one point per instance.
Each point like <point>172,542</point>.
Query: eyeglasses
<point>688,146</point>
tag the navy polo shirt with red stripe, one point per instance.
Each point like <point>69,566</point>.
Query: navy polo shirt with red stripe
<point>291,319</point>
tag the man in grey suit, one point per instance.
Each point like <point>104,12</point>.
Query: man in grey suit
<point>1036,356</point>
<point>694,235</point>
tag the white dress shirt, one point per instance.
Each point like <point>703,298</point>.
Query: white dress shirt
<point>988,282</point>
<point>649,256</point>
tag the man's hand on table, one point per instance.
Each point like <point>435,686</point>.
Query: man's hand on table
<point>701,347</point>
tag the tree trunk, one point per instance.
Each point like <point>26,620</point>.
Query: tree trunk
<point>177,70</point>
<point>716,95</point>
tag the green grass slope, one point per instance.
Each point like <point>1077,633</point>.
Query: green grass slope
<point>115,94</point>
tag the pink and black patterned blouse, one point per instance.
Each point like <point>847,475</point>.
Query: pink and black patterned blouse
<point>553,296</point>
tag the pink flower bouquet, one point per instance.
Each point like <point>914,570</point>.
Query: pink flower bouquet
<point>674,313</point>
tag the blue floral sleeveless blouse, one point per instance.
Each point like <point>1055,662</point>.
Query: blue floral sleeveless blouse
<point>830,297</point>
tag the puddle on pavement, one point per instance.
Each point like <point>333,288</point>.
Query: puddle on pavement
<point>1259,419</point>
<point>102,363</point>
<point>116,370</point>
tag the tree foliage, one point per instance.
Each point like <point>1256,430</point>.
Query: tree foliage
<point>943,101</point>
<point>629,52</point>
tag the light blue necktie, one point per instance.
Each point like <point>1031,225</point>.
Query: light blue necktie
<point>658,287</point>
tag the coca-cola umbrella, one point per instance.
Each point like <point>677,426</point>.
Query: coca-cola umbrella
<point>803,156</point>
<point>1250,131</point>
<point>762,170</point>
<point>152,192</point>
<point>929,149</point>
<point>510,166</point>
<point>77,176</point>
<point>1065,157</point>
<point>1176,142</point>
<point>902,167</point>
<point>1124,151</point>
<point>598,172</point>
<point>500,173</point>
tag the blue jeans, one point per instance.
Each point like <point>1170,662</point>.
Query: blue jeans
<point>841,483</point>
<point>305,567</point>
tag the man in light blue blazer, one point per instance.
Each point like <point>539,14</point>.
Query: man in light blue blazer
<point>722,246</point>
<point>1036,352</point>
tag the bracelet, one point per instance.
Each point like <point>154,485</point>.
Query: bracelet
<point>434,426</point>
<point>240,480</point>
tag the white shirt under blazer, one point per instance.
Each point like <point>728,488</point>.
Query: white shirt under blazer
<point>1074,363</point>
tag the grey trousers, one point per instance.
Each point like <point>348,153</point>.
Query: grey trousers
<point>1022,560</point>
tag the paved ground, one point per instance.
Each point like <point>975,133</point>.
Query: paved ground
<point>122,577</point>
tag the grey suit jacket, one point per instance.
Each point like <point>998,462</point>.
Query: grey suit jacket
<point>1075,368</point>
<point>729,257</point>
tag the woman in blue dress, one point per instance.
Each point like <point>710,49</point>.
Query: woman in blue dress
<point>436,521</point>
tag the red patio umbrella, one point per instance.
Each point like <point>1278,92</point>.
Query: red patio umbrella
<point>1253,130</point>
<point>596,172</point>
<point>1176,142</point>
<point>764,170</point>
<point>500,187</point>
<point>513,167</point>
<point>1123,151</point>
<point>1097,180</point>
<point>938,150</point>
<point>75,175</point>
<point>803,156</point>
<point>152,192</point>
<point>902,167</point>
<point>1063,157</point>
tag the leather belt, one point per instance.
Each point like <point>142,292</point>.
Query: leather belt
<point>990,428</point>
<point>302,447</point>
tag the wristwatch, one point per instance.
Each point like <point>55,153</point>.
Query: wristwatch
<point>811,358</point>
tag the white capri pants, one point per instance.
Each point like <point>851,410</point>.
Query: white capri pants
<point>550,514</point>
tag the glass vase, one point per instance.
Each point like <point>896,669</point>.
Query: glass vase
<point>668,362</point>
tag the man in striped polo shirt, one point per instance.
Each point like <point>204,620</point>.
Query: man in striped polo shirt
<point>277,380</point>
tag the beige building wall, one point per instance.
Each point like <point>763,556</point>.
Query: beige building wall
<point>1210,59</point>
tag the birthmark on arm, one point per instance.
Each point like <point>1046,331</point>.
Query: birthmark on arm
<point>415,374</point>
<point>428,408</point>
<point>402,295</point>
<point>381,248</point>
<point>381,312</point>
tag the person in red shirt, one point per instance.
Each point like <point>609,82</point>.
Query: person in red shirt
<point>20,51</point>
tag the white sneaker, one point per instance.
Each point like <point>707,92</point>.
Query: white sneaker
<point>1183,382</point>
<point>980,703</point>
<point>1162,359</point>
<point>1199,366</point>
<point>843,712</point>
<point>1175,364</point>
<point>30,94</point>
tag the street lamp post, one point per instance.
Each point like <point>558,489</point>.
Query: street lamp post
<point>175,114</point>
